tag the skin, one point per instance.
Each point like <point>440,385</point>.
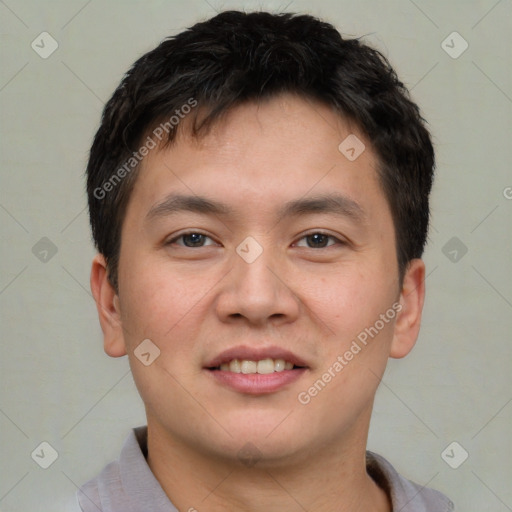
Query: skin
<point>195,302</point>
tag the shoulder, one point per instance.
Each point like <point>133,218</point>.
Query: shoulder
<point>106,492</point>
<point>127,484</point>
<point>91,495</point>
<point>406,496</point>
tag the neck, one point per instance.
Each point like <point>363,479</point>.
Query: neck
<point>333,479</point>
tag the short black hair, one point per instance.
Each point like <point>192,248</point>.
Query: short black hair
<point>237,57</point>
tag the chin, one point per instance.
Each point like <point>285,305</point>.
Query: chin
<point>270,441</point>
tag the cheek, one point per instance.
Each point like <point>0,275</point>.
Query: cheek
<point>345,384</point>
<point>159,304</point>
<point>350,301</point>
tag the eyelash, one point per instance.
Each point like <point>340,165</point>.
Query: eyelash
<point>173,240</point>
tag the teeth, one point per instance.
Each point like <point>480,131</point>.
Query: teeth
<point>279,365</point>
<point>249,366</point>
<point>234,366</point>
<point>263,366</point>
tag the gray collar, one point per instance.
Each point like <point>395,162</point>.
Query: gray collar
<point>128,485</point>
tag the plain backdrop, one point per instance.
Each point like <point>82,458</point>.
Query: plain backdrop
<point>57,385</point>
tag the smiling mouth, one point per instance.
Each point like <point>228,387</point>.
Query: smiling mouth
<point>262,366</point>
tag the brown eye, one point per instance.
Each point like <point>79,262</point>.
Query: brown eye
<point>190,240</point>
<point>318,240</point>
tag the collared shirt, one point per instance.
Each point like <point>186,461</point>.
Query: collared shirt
<point>128,485</point>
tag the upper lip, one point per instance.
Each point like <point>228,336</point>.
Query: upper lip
<point>254,354</point>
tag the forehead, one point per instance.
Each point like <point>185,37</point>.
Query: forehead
<point>288,119</point>
<point>263,153</point>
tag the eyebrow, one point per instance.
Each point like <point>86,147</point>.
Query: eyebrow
<point>328,203</point>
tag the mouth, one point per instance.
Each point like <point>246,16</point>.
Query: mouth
<point>248,366</point>
<point>252,371</point>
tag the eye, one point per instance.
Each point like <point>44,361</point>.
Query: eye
<point>191,240</point>
<point>318,240</point>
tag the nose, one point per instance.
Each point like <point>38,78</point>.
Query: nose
<point>259,292</point>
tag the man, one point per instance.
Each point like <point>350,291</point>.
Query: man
<point>258,193</point>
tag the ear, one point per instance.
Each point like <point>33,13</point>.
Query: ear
<point>412,296</point>
<point>107,304</point>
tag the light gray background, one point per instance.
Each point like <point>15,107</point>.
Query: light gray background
<point>58,386</point>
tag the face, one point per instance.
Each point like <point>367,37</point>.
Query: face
<point>260,248</point>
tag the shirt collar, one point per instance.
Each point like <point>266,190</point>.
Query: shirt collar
<point>143,489</point>
<point>406,496</point>
<point>138,481</point>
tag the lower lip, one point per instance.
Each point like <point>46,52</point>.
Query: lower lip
<point>256,383</point>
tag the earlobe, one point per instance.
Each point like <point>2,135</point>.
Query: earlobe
<point>408,321</point>
<point>107,304</point>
